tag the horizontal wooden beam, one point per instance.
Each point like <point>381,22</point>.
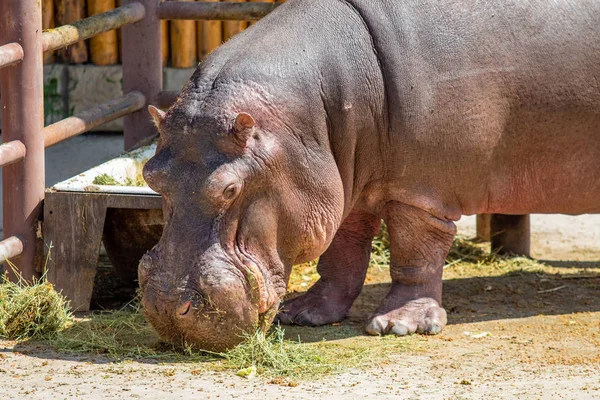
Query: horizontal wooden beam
<point>215,11</point>
<point>10,248</point>
<point>86,28</point>
<point>92,118</point>
<point>10,54</point>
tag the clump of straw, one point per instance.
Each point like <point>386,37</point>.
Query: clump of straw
<point>272,355</point>
<point>31,310</point>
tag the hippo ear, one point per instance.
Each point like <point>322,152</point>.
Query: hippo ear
<point>243,128</point>
<point>158,115</point>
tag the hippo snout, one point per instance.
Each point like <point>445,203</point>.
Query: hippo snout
<point>171,307</point>
<point>206,326</point>
<point>145,267</point>
<point>207,304</point>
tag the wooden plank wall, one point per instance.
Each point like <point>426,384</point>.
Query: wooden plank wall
<point>184,43</point>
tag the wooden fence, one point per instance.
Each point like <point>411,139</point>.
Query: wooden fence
<point>184,43</point>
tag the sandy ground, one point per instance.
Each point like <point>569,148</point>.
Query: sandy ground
<point>534,345</point>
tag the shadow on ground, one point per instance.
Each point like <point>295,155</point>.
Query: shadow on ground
<point>479,299</point>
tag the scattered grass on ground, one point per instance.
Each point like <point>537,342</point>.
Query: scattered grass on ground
<point>36,311</point>
<point>274,356</point>
<point>118,334</point>
<point>125,334</point>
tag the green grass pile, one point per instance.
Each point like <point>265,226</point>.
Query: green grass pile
<point>31,310</point>
<point>107,180</point>
<point>274,356</point>
<point>138,180</point>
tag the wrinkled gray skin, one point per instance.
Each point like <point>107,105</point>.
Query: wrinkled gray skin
<point>296,137</point>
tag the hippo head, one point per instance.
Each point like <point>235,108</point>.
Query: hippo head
<point>247,194</point>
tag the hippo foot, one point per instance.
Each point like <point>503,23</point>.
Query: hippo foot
<point>422,316</point>
<point>316,307</point>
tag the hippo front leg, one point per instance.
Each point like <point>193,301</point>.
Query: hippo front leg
<point>419,243</point>
<point>342,267</point>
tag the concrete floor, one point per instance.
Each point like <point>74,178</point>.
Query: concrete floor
<point>76,155</point>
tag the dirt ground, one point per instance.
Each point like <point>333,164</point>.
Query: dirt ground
<point>531,335</point>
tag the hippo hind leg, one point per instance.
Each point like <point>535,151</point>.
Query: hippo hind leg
<point>419,243</point>
<point>343,268</point>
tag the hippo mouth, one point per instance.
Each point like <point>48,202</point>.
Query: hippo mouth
<point>260,287</point>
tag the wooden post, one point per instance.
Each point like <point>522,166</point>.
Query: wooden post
<point>142,70</point>
<point>483,227</point>
<point>47,23</point>
<point>22,87</point>
<point>73,226</point>
<point>210,36</point>
<point>183,43</point>
<point>510,234</point>
<point>68,11</point>
<point>104,49</point>
<point>164,36</point>
<point>232,28</point>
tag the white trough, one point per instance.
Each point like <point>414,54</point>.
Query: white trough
<point>125,168</point>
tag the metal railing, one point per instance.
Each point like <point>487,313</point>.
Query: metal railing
<point>23,133</point>
<point>21,74</point>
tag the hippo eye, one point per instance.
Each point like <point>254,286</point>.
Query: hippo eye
<point>230,191</point>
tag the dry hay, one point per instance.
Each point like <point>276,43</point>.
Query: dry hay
<point>31,310</point>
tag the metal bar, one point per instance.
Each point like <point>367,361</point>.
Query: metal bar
<point>92,26</point>
<point>10,54</point>
<point>166,98</point>
<point>23,119</point>
<point>142,70</point>
<point>11,152</point>
<point>10,248</point>
<point>215,11</point>
<point>92,118</point>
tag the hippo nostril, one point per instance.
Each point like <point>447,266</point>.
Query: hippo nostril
<point>184,309</point>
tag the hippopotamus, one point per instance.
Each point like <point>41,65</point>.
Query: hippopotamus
<point>294,139</point>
